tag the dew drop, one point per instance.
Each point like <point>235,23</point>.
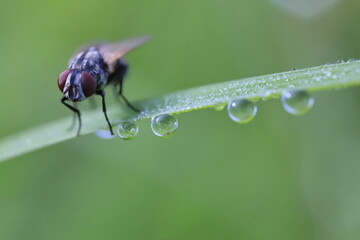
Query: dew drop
<point>104,134</point>
<point>219,106</point>
<point>127,130</point>
<point>241,110</point>
<point>297,102</point>
<point>164,125</point>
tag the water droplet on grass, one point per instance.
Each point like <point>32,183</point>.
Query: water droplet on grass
<point>241,110</point>
<point>219,106</point>
<point>104,134</point>
<point>127,130</point>
<point>164,125</point>
<point>297,102</point>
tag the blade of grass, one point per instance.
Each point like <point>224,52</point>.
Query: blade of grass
<point>330,76</point>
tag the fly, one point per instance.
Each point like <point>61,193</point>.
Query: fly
<point>91,69</point>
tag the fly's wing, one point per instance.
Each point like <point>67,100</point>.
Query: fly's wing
<point>113,51</point>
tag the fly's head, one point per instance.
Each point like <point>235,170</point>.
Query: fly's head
<point>76,85</point>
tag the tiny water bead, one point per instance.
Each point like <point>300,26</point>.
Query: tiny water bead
<point>219,106</point>
<point>127,130</point>
<point>297,102</point>
<point>164,125</point>
<point>104,134</point>
<point>242,110</point>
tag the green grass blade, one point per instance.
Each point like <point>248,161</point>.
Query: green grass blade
<point>339,75</point>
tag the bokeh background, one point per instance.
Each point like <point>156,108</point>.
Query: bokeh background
<point>277,177</point>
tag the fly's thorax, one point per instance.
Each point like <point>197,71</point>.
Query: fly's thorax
<point>90,60</point>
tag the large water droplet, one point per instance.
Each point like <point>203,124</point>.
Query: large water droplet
<point>297,102</point>
<point>164,125</point>
<point>127,130</point>
<point>104,134</point>
<point>241,110</point>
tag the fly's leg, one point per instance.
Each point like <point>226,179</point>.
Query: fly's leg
<point>102,94</point>
<point>75,110</point>
<point>118,78</point>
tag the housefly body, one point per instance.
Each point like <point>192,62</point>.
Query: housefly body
<point>91,69</point>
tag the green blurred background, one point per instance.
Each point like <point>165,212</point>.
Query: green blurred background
<point>278,177</point>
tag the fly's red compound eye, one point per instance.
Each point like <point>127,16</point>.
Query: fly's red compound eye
<point>88,84</point>
<point>62,79</point>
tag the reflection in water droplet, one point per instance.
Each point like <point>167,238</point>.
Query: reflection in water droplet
<point>241,110</point>
<point>164,125</point>
<point>127,130</point>
<point>297,102</point>
<point>104,134</point>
